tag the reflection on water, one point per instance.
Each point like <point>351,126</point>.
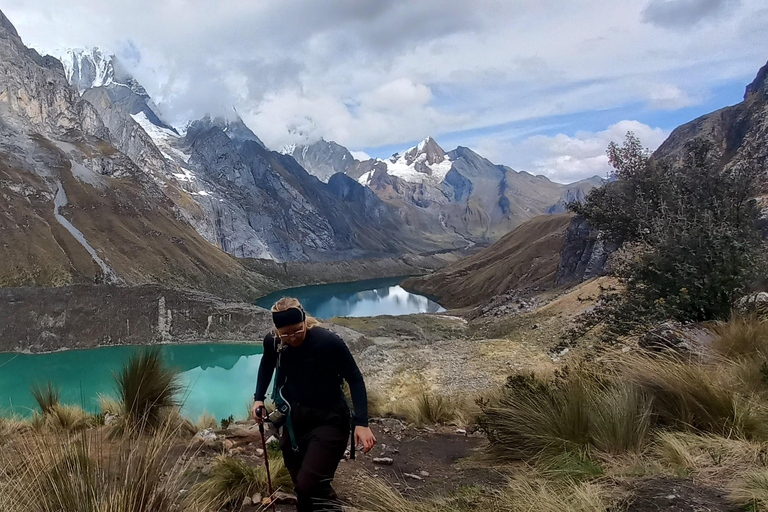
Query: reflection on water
<point>217,378</point>
<point>360,298</point>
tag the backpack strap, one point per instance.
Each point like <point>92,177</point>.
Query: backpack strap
<point>281,403</point>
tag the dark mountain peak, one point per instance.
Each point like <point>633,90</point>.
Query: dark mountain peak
<point>7,26</point>
<point>236,129</point>
<point>430,148</point>
<point>758,89</point>
<point>464,152</point>
<point>233,127</point>
<point>321,158</point>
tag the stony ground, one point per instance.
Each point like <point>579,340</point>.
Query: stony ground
<point>416,461</point>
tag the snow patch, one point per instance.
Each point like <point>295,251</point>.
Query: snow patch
<point>399,166</point>
<point>365,179</point>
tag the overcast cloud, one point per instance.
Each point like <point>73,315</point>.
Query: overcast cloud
<point>371,73</point>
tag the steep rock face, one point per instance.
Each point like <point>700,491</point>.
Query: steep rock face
<point>737,132</point>
<point>47,319</point>
<point>270,196</point>
<point>584,253</point>
<point>526,257</point>
<point>322,158</point>
<point>74,208</point>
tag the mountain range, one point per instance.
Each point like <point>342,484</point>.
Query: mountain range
<point>311,202</point>
<point>98,187</point>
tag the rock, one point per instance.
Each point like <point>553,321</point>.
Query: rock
<point>386,461</point>
<point>259,452</point>
<point>756,303</point>
<point>247,502</point>
<point>676,337</point>
<point>256,498</point>
<point>206,435</point>
<point>424,473</point>
<point>412,476</point>
<point>206,470</point>
<point>461,431</point>
<point>285,498</point>
<point>584,253</point>
<point>109,419</point>
<point>228,444</point>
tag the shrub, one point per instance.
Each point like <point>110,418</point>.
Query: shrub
<point>148,391</point>
<point>691,233</point>
<point>47,396</point>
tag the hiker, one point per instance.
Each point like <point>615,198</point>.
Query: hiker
<point>311,363</point>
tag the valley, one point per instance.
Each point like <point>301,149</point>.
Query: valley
<point>526,344</point>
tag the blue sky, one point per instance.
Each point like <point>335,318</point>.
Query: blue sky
<point>539,85</point>
<point>720,96</point>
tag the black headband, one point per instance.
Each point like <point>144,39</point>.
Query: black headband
<point>288,317</point>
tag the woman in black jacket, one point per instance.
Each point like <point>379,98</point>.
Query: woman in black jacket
<point>311,364</point>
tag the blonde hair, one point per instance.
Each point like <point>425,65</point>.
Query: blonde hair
<point>292,302</point>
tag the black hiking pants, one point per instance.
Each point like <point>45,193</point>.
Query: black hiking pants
<point>322,438</point>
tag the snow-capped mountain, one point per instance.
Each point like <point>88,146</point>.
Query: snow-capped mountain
<point>458,191</point>
<point>91,68</point>
<point>86,68</point>
<point>424,162</point>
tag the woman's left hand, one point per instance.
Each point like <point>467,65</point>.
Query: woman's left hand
<point>364,436</point>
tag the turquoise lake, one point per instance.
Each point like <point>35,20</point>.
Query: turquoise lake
<point>217,378</point>
<point>371,297</point>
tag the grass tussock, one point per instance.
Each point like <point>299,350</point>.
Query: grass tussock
<point>204,421</point>
<point>147,389</point>
<point>109,405</point>
<point>381,497</point>
<point>521,493</point>
<point>534,417</point>
<point>232,480</point>
<point>52,473</point>
<point>435,409</point>
<point>752,490</point>
<point>694,396</point>
<point>535,495</point>
<point>68,417</point>
<point>741,336</point>
<point>46,395</point>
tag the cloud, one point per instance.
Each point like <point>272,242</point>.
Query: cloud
<point>367,73</point>
<point>684,13</point>
<point>564,158</point>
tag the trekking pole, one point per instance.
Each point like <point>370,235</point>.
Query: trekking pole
<point>261,412</point>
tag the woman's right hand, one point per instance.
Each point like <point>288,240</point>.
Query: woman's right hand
<point>255,411</point>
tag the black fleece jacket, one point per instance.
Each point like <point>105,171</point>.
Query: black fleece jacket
<point>313,373</point>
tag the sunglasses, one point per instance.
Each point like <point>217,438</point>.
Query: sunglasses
<point>292,335</point>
